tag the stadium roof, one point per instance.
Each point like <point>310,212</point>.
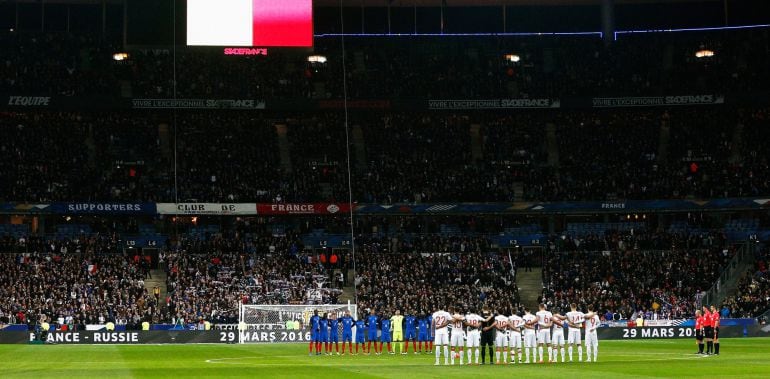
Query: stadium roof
<point>436,3</point>
<point>411,3</point>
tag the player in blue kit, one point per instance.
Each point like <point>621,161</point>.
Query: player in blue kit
<point>347,331</point>
<point>371,324</point>
<point>324,334</point>
<point>410,327</point>
<point>431,336</point>
<point>334,333</point>
<point>423,333</point>
<point>360,333</point>
<point>385,335</point>
<point>314,330</point>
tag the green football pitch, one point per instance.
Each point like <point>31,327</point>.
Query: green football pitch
<point>742,358</point>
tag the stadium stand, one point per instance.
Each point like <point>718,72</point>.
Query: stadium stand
<point>209,274</point>
<point>398,155</point>
<point>430,68</point>
<point>624,280</point>
<point>433,272</point>
<point>75,282</point>
<point>753,297</point>
<point>117,162</point>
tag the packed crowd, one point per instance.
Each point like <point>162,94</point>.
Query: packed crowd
<point>56,64</point>
<point>636,239</point>
<point>420,158</point>
<point>399,156</point>
<point>229,156</point>
<point>402,264</point>
<point>38,159</point>
<point>207,279</point>
<point>75,282</point>
<point>462,272</point>
<point>631,281</point>
<point>753,296</point>
<point>88,279</point>
<point>750,179</point>
<point>226,156</point>
<point>603,155</point>
<point>65,156</point>
<point>318,158</point>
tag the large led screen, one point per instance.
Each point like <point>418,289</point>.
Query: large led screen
<point>250,23</point>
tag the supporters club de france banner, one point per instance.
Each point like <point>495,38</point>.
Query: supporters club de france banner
<point>224,209</point>
<point>577,207</point>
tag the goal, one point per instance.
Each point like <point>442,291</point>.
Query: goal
<point>283,323</point>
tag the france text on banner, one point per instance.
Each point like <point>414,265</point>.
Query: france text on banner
<point>207,208</point>
<point>302,208</point>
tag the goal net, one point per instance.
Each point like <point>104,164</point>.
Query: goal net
<point>283,323</point>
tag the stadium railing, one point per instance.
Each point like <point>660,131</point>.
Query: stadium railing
<point>728,278</point>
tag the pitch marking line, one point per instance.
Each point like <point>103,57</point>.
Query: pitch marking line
<point>244,360</point>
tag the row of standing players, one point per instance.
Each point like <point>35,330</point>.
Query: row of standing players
<point>454,331</point>
<point>533,332</point>
<point>371,331</point>
<point>707,328</point>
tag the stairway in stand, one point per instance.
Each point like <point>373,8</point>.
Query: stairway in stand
<point>530,286</point>
<point>284,149</point>
<point>349,291</point>
<point>158,279</point>
<point>552,144</point>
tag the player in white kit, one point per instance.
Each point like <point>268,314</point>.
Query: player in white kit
<point>530,321</point>
<point>592,342</point>
<point>557,337</point>
<point>515,324</point>
<point>473,321</point>
<point>501,338</point>
<point>457,339</point>
<point>544,322</point>
<point>575,320</point>
<point>441,320</point>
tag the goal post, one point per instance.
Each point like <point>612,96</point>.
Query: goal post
<point>283,323</point>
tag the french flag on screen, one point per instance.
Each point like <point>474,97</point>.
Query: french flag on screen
<point>250,22</point>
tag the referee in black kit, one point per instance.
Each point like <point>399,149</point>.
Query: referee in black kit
<point>487,335</point>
